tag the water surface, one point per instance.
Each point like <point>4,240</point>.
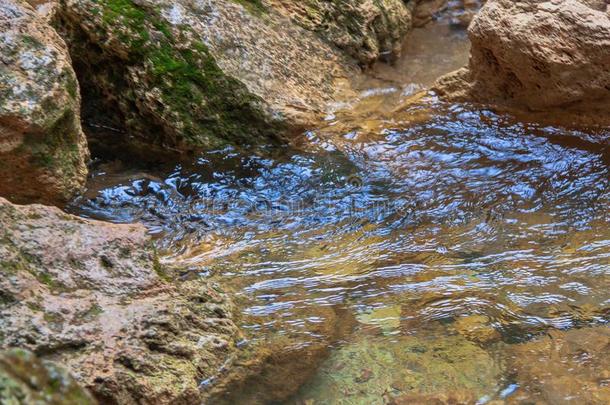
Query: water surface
<point>438,236</point>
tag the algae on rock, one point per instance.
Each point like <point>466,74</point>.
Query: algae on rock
<point>160,78</point>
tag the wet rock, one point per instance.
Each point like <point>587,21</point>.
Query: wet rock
<point>477,328</point>
<point>564,367</point>
<point>404,370</point>
<point>538,56</point>
<point>273,371</point>
<point>191,74</point>
<point>25,379</point>
<point>366,30</point>
<point>43,151</point>
<point>93,297</point>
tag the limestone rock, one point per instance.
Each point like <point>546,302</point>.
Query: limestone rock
<point>538,56</point>
<point>43,151</point>
<point>200,74</point>
<point>25,379</point>
<point>93,297</point>
<point>366,30</point>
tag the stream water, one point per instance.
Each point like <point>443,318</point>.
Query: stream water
<point>401,251</point>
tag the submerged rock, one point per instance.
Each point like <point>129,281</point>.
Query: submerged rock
<point>565,367</point>
<point>539,56</point>
<point>43,151</point>
<point>404,370</point>
<point>274,370</point>
<point>93,297</point>
<point>25,379</point>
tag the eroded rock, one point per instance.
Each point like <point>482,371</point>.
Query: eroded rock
<point>195,74</point>
<point>43,151</point>
<point>366,30</point>
<point>538,56</point>
<point>93,297</point>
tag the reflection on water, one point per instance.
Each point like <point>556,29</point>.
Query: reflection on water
<point>447,237</point>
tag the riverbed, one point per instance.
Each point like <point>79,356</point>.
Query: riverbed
<point>405,250</point>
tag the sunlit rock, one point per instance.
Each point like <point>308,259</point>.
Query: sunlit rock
<point>94,297</point>
<point>538,56</point>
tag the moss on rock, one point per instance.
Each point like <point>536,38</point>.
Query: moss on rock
<point>167,84</point>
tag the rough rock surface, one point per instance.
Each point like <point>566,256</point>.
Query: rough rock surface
<point>92,297</point>
<point>25,379</point>
<point>365,29</point>
<point>192,74</point>
<point>564,367</point>
<point>43,151</point>
<point>538,56</point>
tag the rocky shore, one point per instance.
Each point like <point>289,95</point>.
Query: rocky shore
<point>89,306</point>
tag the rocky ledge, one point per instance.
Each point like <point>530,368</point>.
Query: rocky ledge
<point>545,57</point>
<point>93,297</point>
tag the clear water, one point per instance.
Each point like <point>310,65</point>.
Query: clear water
<point>417,241</point>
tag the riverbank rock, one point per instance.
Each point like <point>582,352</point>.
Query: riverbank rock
<point>25,379</point>
<point>93,297</point>
<point>565,367</point>
<point>43,151</point>
<point>367,30</point>
<point>538,56</point>
<point>194,75</point>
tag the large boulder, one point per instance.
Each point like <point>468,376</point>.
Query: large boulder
<point>43,151</point>
<point>192,74</point>
<point>539,56</point>
<point>93,297</point>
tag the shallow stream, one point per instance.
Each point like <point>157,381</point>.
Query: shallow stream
<point>400,251</point>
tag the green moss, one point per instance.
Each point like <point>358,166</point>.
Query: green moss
<point>199,105</point>
<point>256,7</point>
<point>160,269</point>
<point>32,42</point>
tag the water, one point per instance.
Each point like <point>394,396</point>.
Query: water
<point>401,252</point>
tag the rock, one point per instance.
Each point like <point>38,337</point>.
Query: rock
<point>273,371</point>
<point>193,74</point>
<point>565,367</point>
<point>477,328</point>
<point>43,151</point>
<point>25,379</point>
<point>366,30</point>
<point>404,370</point>
<point>538,56</point>
<point>93,297</point>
